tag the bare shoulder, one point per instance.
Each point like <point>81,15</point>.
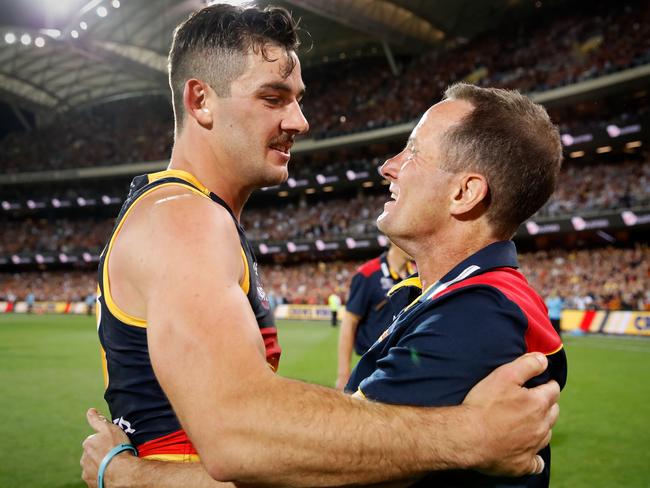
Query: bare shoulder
<point>179,214</point>
<point>175,230</point>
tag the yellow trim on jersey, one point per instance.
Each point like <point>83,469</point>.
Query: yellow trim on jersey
<point>410,267</point>
<point>174,458</point>
<point>245,282</point>
<point>359,394</point>
<point>104,366</point>
<point>416,300</point>
<point>180,174</point>
<point>413,281</point>
<point>108,298</point>
<point>554,352</point>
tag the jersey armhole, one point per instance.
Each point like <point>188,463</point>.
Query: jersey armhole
<point>113,308</point>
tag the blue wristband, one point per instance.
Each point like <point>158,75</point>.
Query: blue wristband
<point>107,459</point>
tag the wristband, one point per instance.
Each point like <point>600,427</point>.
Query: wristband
<point>107,459</point>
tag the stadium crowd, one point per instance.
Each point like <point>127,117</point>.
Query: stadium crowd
<point>595,279</point>
<point>545,54</point>
<point>46,235</point>
<point>64,286</point>
<point>604,279</point>
<point>582,189</point>
<point>363,94</point>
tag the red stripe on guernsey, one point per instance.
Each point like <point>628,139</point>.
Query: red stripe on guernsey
<point>174,443</point>
<point>272,346</point>
<point>370,267</point>
<point>540,335</point>
<point>587,320</point>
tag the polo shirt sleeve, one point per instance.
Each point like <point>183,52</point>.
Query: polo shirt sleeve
<point>448,347</point>
<point>359,295</point>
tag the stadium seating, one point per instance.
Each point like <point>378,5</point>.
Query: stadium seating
<point>357,96</point>
<point>603,279</point>
<point>74,218</point>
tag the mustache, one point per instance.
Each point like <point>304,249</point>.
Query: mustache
<point>283,139</point>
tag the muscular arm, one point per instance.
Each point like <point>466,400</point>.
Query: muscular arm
<point>346,344</point>
<point>252,426</point>
<point>499,398</point>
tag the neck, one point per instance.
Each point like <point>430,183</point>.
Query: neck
<point>438,255</point>
<point>194,156</point>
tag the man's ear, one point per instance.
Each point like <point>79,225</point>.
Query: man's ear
<point>470,193</point>
<point>195,97</point>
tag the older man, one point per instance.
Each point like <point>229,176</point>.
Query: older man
<point>476,166</point>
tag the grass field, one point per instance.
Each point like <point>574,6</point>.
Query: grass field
<point>50,373</point>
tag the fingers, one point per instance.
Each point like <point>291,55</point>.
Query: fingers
<point>539,465</point>
<point>525,367</point>
<point>95,419</point>
<point>553,414</point>
<point>550,391</point>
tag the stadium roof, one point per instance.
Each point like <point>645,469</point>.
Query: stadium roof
<point>56,55</point>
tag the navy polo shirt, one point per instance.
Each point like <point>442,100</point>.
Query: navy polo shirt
<point>479,316</point>
<point>368,299</point>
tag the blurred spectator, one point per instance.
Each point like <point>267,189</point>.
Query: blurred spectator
<point>65,286</point>
<point>581,189</point>
<point>46,235</point>
<point>602,279</point>
<point>571,46</point>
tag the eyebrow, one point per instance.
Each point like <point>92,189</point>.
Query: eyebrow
<point>283,87</point>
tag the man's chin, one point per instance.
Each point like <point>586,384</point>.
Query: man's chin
<point>275,177</point>
<point>382,223</point>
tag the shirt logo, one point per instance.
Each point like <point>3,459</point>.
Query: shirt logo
<point>125,425</point>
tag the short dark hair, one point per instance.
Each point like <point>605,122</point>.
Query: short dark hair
<point>511,141</point>
<point>211,44</point>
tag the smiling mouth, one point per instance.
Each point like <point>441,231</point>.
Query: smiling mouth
<point>282,147</point>
<point>394,195</point>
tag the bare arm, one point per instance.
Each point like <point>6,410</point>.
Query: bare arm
<point>126,470</point>
<point>346,343</point>
<point>502,388</point>
<point>252,426</point>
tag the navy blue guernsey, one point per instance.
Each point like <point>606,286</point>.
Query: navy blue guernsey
<point>134,396</point>
<point>368,299</point>
<point>479,316</point>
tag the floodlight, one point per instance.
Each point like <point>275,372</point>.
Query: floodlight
<point>39,41</point>
<point>53,33</point>
<point>83,25</point>
<point>115,3</point>
<point>26,39</point>
<point>10,37</point>
<point>74,33</point>
<point>101,11</point>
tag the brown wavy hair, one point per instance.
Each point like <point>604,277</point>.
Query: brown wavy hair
<point>212,43</point>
